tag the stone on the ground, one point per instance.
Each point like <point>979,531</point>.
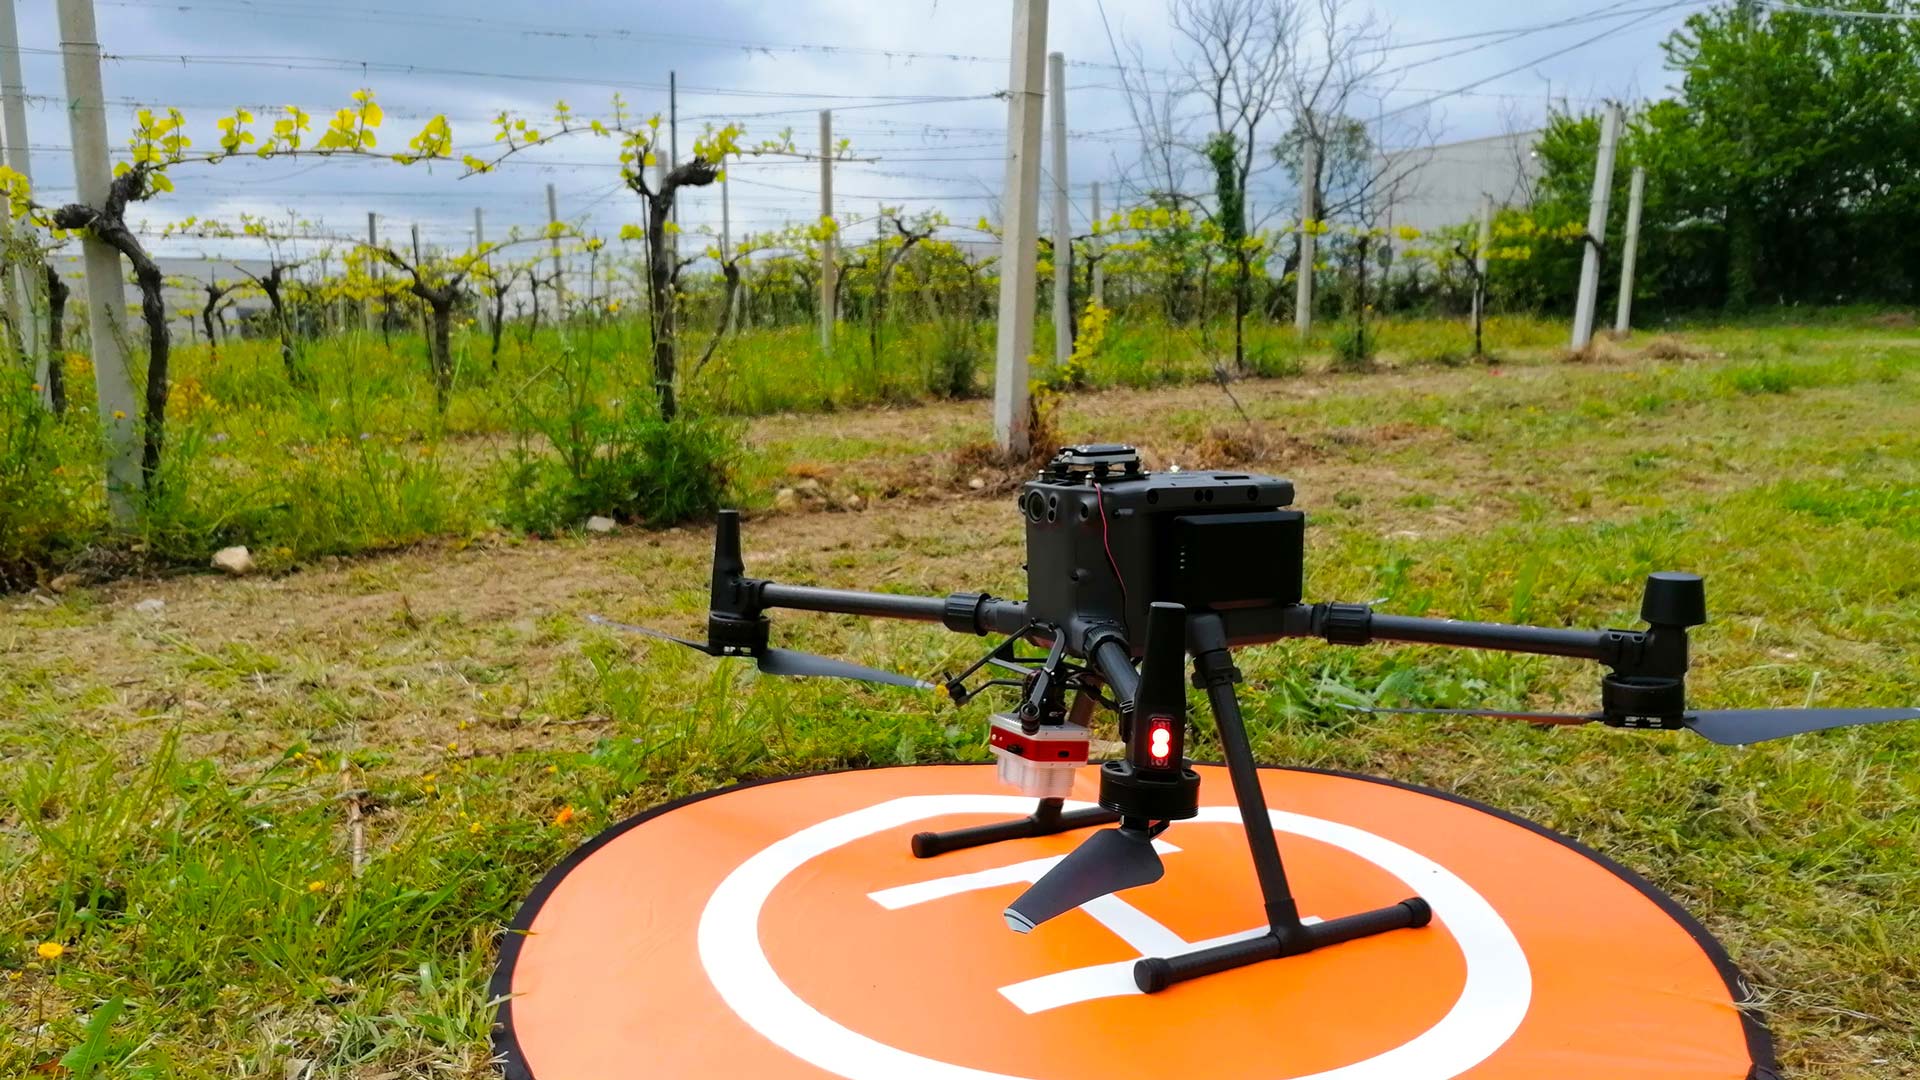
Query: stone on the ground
<point>786,499</point>
<point>601,525</point>
<point>64,583</point>
<point>977,483</point>
<point>151,606</point>
<point>233,560</point>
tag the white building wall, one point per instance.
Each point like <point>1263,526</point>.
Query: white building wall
<point>1432,187</point>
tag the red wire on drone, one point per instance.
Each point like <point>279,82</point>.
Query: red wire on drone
<point>1100,497</point>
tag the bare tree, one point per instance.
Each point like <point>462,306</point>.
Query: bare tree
<point>219,298</point>
<point>272,285</point>
<point>57,293</point>
<point>886,259</point>
<point>1240,62</point>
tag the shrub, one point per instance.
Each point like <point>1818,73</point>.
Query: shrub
<point>330,496</point>
<point>954,359</point>
<point>1352,349</point>
<point>47,512</point>
<point>1270,360</point>
<point>637,468</point>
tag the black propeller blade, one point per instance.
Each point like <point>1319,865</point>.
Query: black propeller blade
<point>1106,862</point>
<point>601,620</point>
<point>1737,727</point>
<point>789,662</point>
<point>1728,727</point>
<point>784,661</point>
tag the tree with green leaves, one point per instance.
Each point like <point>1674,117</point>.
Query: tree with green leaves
<point>1785,169</point>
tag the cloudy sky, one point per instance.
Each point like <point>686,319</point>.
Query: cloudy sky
<point>768,65</point>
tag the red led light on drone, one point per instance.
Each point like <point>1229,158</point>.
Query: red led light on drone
<point>1160,741</point>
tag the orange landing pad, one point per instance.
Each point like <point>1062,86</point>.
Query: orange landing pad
<point>784,929</point>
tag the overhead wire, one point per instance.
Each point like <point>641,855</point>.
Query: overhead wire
<point>332,12</point>
<point>1581,44</point>
<point>294,62</point>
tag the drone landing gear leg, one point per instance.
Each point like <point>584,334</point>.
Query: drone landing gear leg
<point>1286,934</point>
<point>1047,818</point>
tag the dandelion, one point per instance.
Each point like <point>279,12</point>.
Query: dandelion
<point>473,828</point>
<point>564,816</point>
<point>552,769</point>
<point>37,388</point>
<point>316,886</point>
<point>452,746</point>
<point>119,414</point>
<point>50,950</point>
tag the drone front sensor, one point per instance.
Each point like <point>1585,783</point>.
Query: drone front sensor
<point>1130,575</point>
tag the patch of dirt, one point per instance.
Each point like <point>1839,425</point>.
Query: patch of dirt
<point>1245,444</point>
<point>1894,320</point>
<point>1601,350</point>
<point>1671,348</point>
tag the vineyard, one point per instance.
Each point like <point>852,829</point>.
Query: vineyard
<point>302,522</point>
<point>401,401</point>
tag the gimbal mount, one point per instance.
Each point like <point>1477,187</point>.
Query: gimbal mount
<point>1130,574</point>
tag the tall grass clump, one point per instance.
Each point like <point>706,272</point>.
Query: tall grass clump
<point>49,496</point>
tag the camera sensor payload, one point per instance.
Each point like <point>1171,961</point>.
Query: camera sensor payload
<point>1129,575</point>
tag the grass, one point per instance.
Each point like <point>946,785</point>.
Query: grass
<point>360,461</point>
<point>185,795</point>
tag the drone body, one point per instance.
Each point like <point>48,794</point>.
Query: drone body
<point>1130,574</point>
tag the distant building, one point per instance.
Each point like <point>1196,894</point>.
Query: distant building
<point>1435,186</point>
<point>183,296</point>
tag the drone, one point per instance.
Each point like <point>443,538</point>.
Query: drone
<point>1129,574</point>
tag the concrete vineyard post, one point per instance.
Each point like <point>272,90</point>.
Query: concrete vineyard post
<point>1589,294</point>
<point>106,288</point>
<point>1017,240</point>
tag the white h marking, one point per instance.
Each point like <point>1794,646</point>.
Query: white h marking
<point>1141,932</point>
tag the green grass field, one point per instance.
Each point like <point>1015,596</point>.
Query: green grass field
<point>278,824</point>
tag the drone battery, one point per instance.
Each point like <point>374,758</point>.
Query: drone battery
<point>1231,560</point>
<point>1040,764</point>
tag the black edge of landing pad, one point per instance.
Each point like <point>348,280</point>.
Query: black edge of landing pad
<point>500,988</point>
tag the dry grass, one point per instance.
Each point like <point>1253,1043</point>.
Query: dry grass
<point>1668,347</point>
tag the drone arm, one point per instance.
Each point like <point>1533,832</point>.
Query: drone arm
<point>966,613</point>
<point>1358,624</point>
<point>1353,624</point>
<point>1670,605</point>
<point>1108,651</point>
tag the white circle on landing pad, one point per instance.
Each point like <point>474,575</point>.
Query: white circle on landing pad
<point>1491,1006</point>
<point>701,939</point>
